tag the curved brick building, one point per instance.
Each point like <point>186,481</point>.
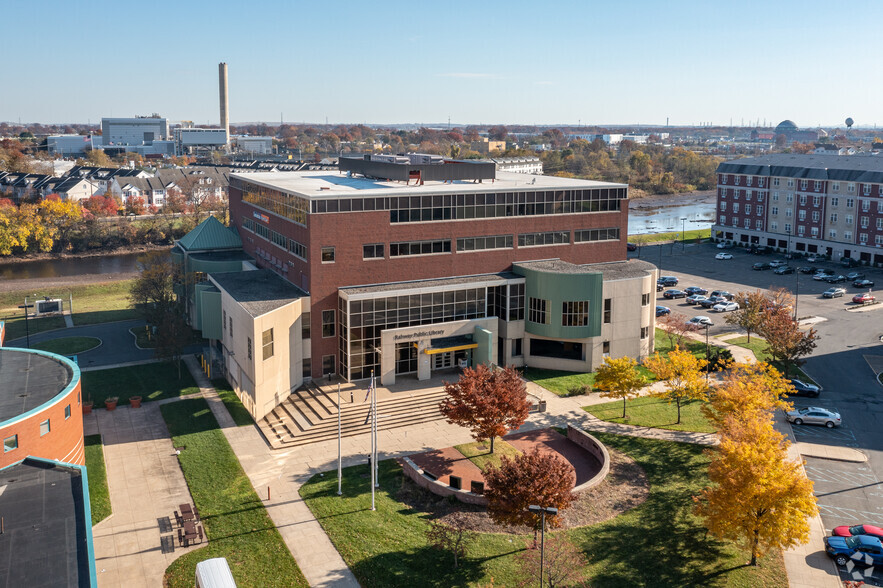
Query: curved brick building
<point>40,413</point>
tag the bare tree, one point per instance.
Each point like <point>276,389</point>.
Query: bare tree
<point>455,536</point>
<point>676,325</point>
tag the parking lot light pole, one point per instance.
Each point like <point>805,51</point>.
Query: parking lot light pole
<point>796,293</point>
<point>683,234</point>
<point>542,510</point>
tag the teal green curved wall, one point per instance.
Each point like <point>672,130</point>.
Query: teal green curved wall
<point>213,266</point>
<point>557,288</point>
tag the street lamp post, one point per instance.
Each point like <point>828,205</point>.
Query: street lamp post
<point>796,293</point>
<point>683,234</point>
<point>707,365</point>
<point>26,306</point>
<point>542,510</point>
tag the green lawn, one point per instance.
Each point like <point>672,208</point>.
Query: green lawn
<point>560,382</point>
<point>759,347</point>
<point>649,411</point>
<point>152,381</point>
<point>99,496</point>
<point>231,401</point>
<point>479,453</point>
<point>692,235</point>
<point>659,543</point>
<point>93,303</point>
<point>68,345</point>
<point>235,520</point>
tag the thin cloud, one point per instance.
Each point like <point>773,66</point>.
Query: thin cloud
<point>465,75</point>
<point>544,83</point>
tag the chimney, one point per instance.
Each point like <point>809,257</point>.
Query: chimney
<point>225,111</point>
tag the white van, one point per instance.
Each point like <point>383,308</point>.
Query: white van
<point>214,573</point>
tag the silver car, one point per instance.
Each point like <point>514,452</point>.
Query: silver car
<point>813,415</point>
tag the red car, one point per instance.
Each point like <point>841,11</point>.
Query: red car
<point>847,531</point>
<point>863,298</point>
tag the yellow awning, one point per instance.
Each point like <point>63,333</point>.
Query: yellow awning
<point>435,350</point>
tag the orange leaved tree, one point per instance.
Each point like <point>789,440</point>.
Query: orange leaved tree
<point>488,402</point>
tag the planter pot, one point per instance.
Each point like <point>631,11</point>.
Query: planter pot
<point>135,402</point>
<point>87,408</point>
<point>110,404</point>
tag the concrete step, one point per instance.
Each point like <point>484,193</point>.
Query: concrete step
<point>306,439</point>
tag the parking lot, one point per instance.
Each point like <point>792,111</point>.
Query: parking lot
<point>848,493</point>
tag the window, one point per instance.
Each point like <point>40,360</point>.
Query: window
<point>866,205</point>
<point>863,237</point>
<point>10,443</point>
<point>408,248</point>
<point>605,347</point>
<point>736,194</point>
<point>748,194</point>
<point>832,234</point>
<point>803,184</point>
<point>484,243</point>
<point>788,212</point>
<point>231,327</point>
<point>373,251</point>
<point>747,209</point>
<point>539,239</point>
<point>863,221</point>
<point>775,196</point>
<point>516,302</point>
<point>800,230</point>
<point>801,215</point>
<point>575,314</point>
<point>305,326</point>
<point>774,226</point>
<point>735,207</point>
<point>328,362</point>
<point>835,186</point>
<point>816,201</point>
<point>818,185</point>
<point>759,209</point>
<point>758,225</point>
<point>833,217</point>
<point>608,310</point>
<point>880,207</point>
<point>249,348</point>
<point>328,255</point>
<point>67,412</point>
<point>878,239</point>
<point>790,183</point>
<point>775,210</point>
<point>847,235</point>
<point>723,178</point>
<point>748,181</point>
<point>517,348</point>
<point>803,200</point>
<point>645,332</point>
<point>267,343</point>
<point>787,227</point>
<point>835,201</point>
<point>328,321</point>
<point>306,367</point>
<point>759,196</point>
<point>867,188</point>
<point>737,179</point>
<point>850,187</point>
<point>645,299</point>
<point>879,223</point>
<point>723,219</point>
<point>723,206</point>
<point>589,235</point>
<point>815,216</point>
<point>536,312</point>
<point>44,427</point>
<point>789,197</point>
<point>747,223</point>
<point>224,322</point>
<point>760,182</point>
<point>849,219</point>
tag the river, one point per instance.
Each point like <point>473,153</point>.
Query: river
<point>70,266</point>
<point>655,216</point>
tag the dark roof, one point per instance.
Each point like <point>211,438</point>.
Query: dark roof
<point>786,125</point>
<point>30,379</point>
<point>47,536</point>
<point>844,168</point>
<point>259,291</point>
<point>438,283</point>
<point>618,270</point>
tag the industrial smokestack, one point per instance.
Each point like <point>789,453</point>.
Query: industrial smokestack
<point>225,110</point>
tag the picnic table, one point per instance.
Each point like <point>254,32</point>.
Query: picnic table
<point>187,512</point>
<point>190,532</point>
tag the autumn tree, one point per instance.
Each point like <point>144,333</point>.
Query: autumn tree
<point>682,374</point>
<point>786,342</point>
<point>529,478</point>
<point>676,325</point>
<point>153,291</point>
<point>62,216</point>
<point>749,315</point>
<point>135,205</point>
<point>619,378</point>
<point>564,564</point>
<point>98,158</point>
<point>749,391</point>
<point>489,402</point>
<point>172,336</point>
<point>453,536</point>
<point>758,497</point>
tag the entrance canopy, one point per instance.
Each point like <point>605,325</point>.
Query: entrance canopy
<point>447,344</point>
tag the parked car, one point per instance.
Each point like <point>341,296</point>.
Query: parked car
<point>700,321</point>
<point>833,292</point>
<point>801,388</point>
<point>783,269</point>
<point>668,280</point>
<point>863,298</point>
<point>806,269</point>
<point>659,287</point>
<point>836,279</point>
<point>723,294</point>
<point>725,307</point>
<point>711,301</point>
<point>850,531</point>
<point>761,266</point>
<point>853,276</point>
<point>862,550</point>
<point>674,293</point>
<point>863,284</point>
<point>815,259</point>
<point>724,256</point>
<point>777,263</point>
<point>849,262</point>
<point>662,310</point>
<point>755,250</point>
<point>695,290</point>
<point>822,275</point>
<point>724,245</point>
<point>696,298</point>
<point>813,415</point>
<point>631,247</point>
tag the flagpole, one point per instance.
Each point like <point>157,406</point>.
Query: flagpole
<point>371,465</point>
<point>339,464</point>
<point>376,444</point>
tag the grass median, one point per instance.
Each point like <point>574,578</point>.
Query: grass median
<point>151,381</point>
<point>236,523</point>
<point>659,543</point>
<point>68,345</point>
<point>99,495</point>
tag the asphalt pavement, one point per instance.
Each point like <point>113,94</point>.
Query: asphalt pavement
<point>848,493</point>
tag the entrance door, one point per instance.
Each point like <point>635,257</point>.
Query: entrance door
<point>406,358</point>
<point>443,360</point>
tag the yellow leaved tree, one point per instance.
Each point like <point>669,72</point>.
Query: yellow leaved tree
<point>619,378</point>
<point>682,373</point>
<point>749,391</point>
<point>759,498</point>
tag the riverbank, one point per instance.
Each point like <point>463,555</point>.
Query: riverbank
<point>659,200</point>
<point>40,256</point>
<point>62,283</point>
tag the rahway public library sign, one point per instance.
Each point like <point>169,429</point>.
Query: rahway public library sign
<point>417,335</point>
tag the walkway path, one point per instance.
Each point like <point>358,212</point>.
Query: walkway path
<point>145,484</point>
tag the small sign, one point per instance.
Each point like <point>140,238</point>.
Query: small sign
<point>261,217</point>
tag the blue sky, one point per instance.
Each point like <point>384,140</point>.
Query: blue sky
<point>421,62</point>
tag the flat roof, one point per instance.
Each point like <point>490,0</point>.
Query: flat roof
<point>615,270</point>
<point>258,291</point>
<point>325,184</point>
<point>29,379</point>
<point>45,540</point>
<point>432,284</point>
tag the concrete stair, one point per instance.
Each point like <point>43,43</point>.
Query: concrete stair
<point>309,415</point>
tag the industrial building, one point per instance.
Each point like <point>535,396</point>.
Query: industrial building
<point>403,269</point>
<point>815,204</point>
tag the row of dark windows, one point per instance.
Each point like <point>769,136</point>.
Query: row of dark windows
<point>297,248</point>
<point>588,235</point>
<point>405,248</point>
<point>289,206</point>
